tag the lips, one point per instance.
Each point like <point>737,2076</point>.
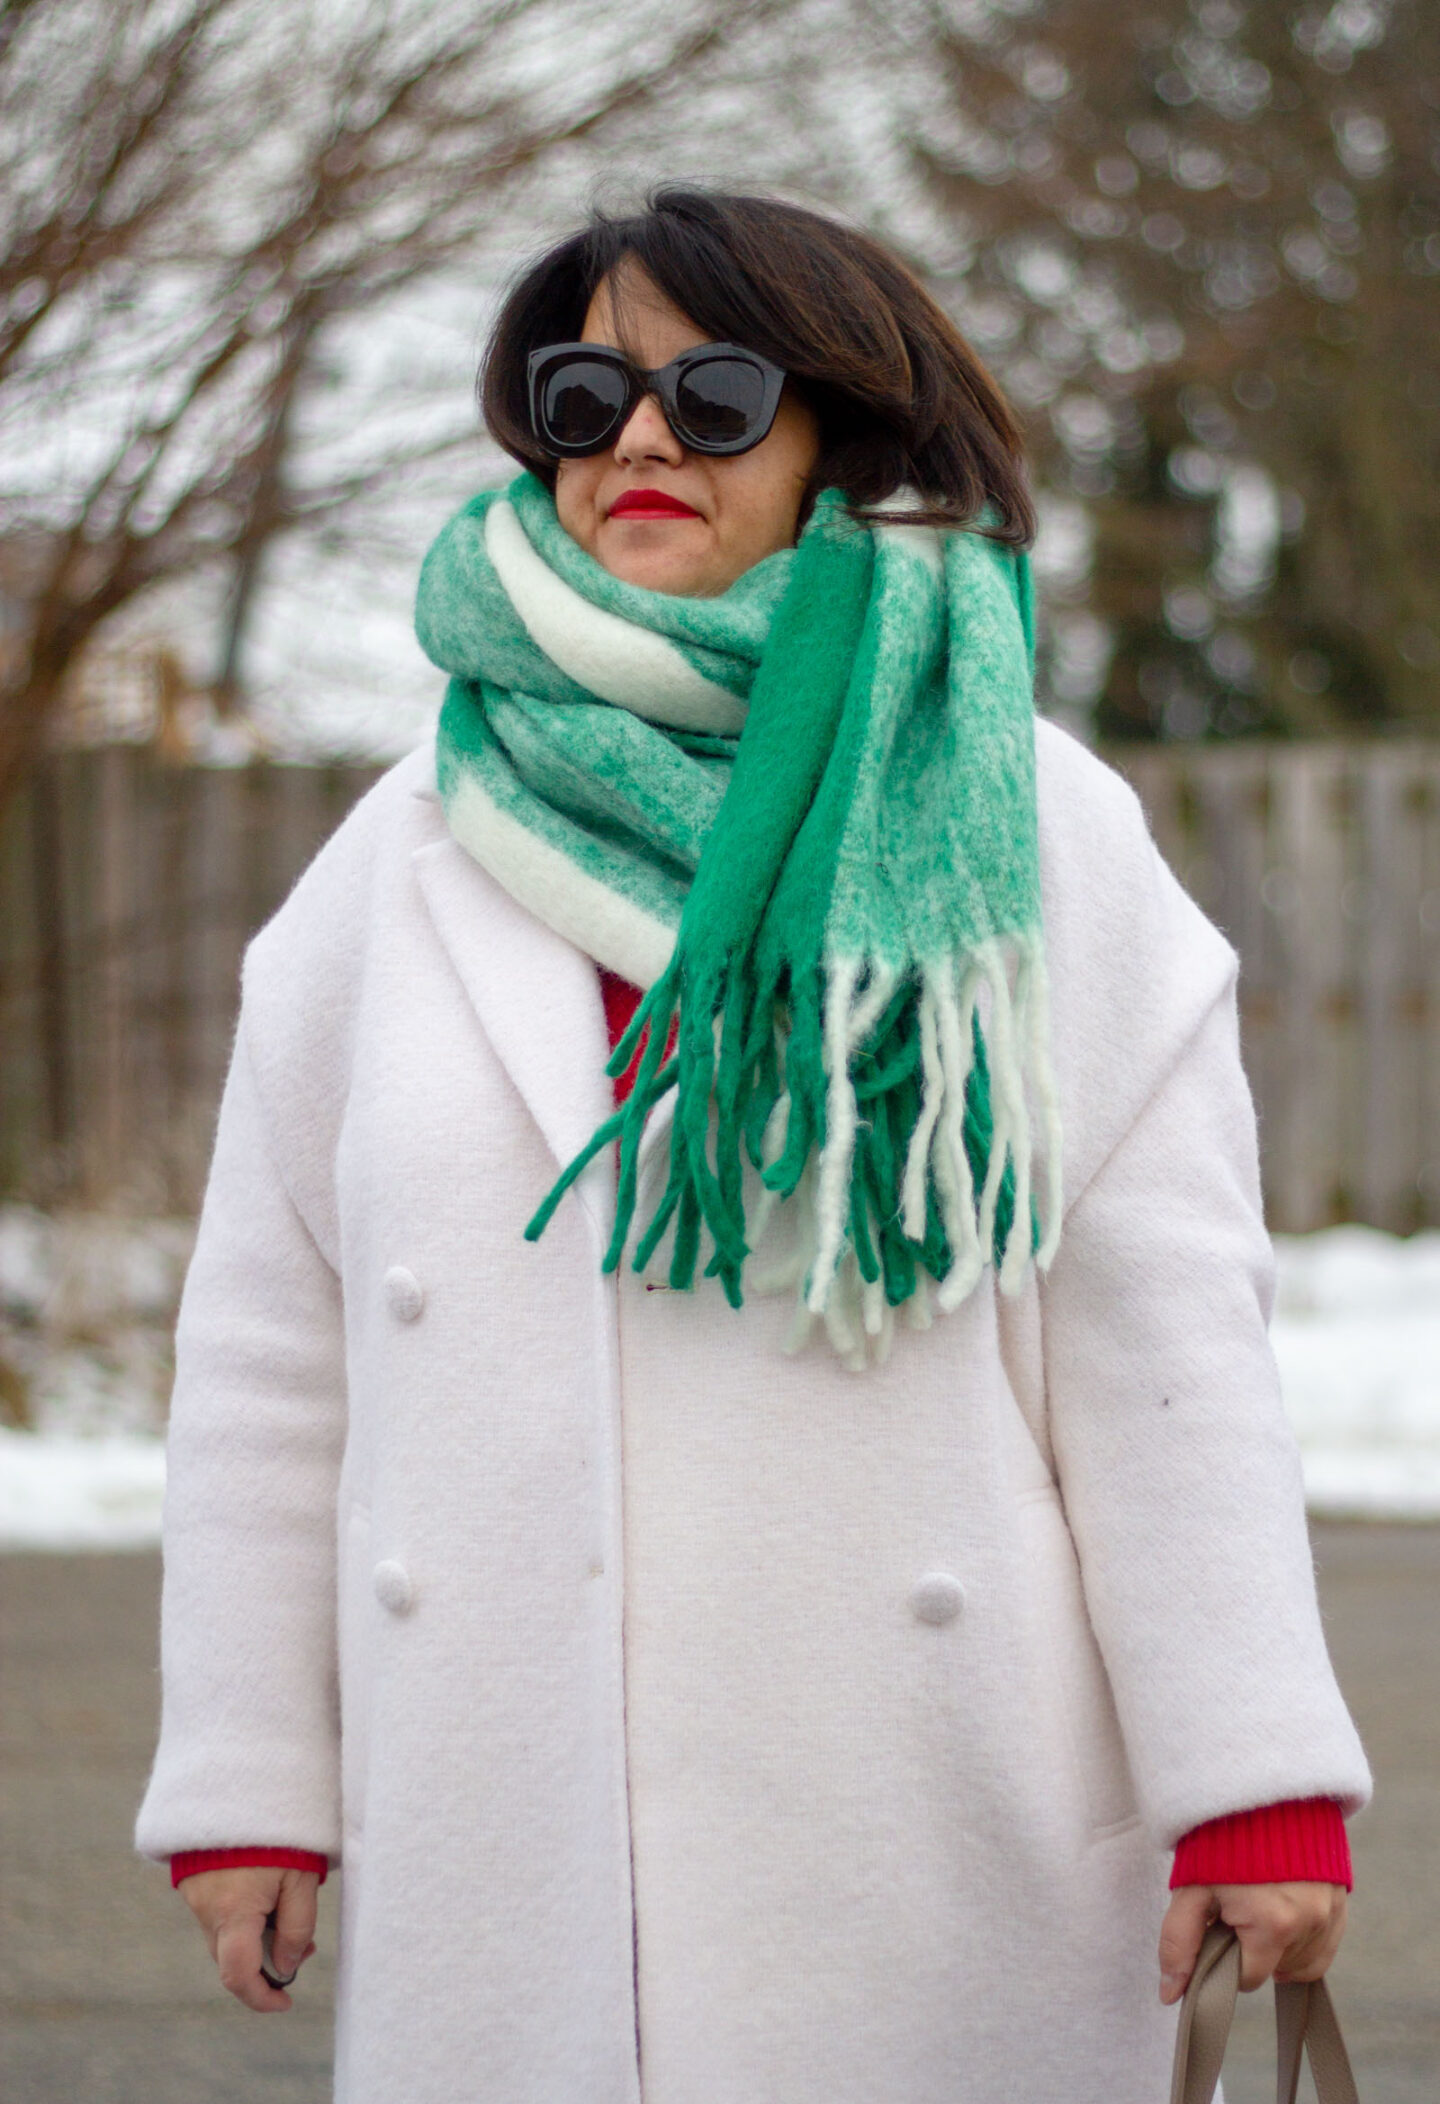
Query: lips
<point>650,504</point>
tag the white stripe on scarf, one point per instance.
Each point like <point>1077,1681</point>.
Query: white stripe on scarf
<point>601,922</point>
<point>613,659</point>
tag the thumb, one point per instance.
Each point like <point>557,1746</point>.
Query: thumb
<point>295,1908</point>
<point>1190,1912</point>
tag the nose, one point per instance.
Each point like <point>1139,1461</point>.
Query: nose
<point>645,435</point>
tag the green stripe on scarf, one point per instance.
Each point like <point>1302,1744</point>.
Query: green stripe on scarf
<point>802,814</point>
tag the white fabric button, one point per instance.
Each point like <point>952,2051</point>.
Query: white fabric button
<point>404,1293</point>
<point>937,1599</point>
<point>393,1588</point>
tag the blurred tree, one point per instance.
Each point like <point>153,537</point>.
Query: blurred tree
<point>1200,242</point>
<point>193,193</point>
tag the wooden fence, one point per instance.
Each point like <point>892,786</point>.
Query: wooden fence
<point>128,890</point>
<point>1322,864</point>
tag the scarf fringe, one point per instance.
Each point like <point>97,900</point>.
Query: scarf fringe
<point>911,1158</point>
<point>938,1164</point>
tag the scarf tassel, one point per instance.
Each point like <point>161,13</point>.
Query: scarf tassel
<point>880,1101</point>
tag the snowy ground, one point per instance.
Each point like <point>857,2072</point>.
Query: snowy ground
<point>1357,1334</point>
<point>87,1303</point>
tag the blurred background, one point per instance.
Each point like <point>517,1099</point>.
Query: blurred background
<point>249,258</point>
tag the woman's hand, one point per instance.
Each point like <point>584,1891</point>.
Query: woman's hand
<point>232,1907</point>
<point>1286,1932</point>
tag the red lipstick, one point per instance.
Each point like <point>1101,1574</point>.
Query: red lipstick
<point>650,504</point>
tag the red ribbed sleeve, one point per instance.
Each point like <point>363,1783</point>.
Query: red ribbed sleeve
<point>1302,1839</point>
<point>191,1861</point>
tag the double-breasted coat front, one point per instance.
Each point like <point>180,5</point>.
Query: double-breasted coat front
<point>692,1722</point>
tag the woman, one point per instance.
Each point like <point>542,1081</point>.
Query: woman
<point>698,1721</point>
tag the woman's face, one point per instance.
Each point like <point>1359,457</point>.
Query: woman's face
<point>742,506</point>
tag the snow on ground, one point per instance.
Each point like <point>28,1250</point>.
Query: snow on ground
<point>61,1490</point>
<point>87,1307</point>
<point>87,1304</point>
<point>1357,1335</point>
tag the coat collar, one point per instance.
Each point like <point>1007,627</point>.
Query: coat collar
<point>537,997</point>
<point>538,1001</point>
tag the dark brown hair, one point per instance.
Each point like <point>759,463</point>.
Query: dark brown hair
<point>901,399</point>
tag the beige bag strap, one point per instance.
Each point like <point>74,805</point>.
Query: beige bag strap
<point>1305,2021</point>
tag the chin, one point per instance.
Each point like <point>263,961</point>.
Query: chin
<point>655,573</point>
<point>656,557</point>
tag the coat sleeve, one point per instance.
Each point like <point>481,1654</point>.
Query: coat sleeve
<point>1178,1468</point>
<point>249,1744</point>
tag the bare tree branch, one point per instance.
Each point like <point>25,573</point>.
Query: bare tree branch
<point>201,192</point>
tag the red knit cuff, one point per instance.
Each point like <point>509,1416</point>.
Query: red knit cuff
<point>191,1861</point>
<point>1303,1839</point>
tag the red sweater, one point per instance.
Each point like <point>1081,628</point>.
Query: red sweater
<point>1302,1839</point>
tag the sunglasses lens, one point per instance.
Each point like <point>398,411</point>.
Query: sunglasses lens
<point>580,402</point>
<point>720,402</point>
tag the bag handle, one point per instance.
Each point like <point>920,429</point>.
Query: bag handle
<point>1305,2022</point>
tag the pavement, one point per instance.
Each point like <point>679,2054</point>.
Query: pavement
<point>107,1995</point>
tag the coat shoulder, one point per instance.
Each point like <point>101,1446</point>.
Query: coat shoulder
<point>316,941</point>
<point>325,910</point>
<point>305,971</point>
<point>1093,830</point>
<point>1102,875</point>
<point>1134,964</point>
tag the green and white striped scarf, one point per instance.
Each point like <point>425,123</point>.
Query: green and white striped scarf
<point>802,815</point>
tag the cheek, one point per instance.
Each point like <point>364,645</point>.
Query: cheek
<point>770,504</point>
<point>576,482</point>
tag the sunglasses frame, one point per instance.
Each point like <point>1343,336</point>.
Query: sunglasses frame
<point>663,383</point>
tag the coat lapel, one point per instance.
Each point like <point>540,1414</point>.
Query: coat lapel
<point>538,1000</point>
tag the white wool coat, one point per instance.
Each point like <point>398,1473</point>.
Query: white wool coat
<point>696,1724</point>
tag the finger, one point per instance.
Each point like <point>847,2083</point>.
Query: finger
<point>1312,1954</point>
<point>238,1957</point>
<point>204,1915</point>
<point>1263,1943</point>
<point>1296,1960</point>
<point>1275,1925</point>
<point>1305,1942</point>
<point>217,1896</point>
<point>295,1910</point>
<point>1189,1913</point>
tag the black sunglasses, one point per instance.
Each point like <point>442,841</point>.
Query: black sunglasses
<point>716,398</point>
